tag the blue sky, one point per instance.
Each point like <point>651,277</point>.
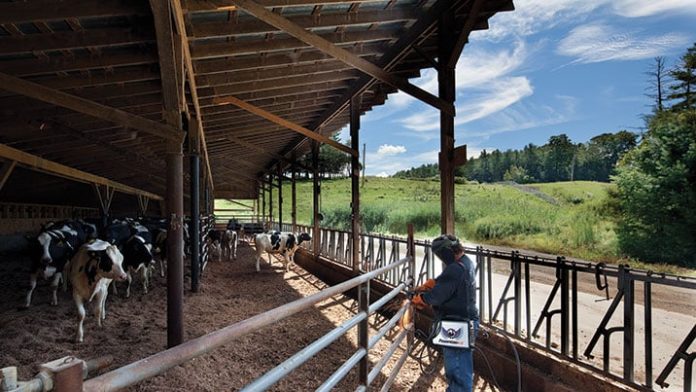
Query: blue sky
<point>549,67</point>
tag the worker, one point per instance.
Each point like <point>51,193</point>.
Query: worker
<point>453,296</point>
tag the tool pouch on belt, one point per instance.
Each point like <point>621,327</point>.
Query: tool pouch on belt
<point>452,331</point>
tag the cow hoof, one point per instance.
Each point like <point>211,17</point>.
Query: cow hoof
<point>23,307</point>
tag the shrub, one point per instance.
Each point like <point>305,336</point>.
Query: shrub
<point>497,227</point>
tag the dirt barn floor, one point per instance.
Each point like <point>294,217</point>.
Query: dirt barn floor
<point>230,292</point>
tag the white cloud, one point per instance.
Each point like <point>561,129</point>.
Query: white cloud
<point>388,149</point>
<point>532,16</point>
<point>639,8</point>
<point>477,67</point>
<point>497,95</point>
<point>382,174</point>
<point>597,42</point>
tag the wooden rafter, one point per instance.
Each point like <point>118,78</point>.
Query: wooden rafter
<point>343,55</point>
<point>209,51</point>
<point>224,5</point>
<point>44,10</point>
<point>285,123</point>
<point>171,97</point>
<point>221,29</point>
<point>463,37</point>
<point>37,163</point>
<point>5,171</point>
<point>85,106</point>
<point>71,40</point>
<point>178,14</point>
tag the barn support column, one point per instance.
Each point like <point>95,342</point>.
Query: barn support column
<point>446,89</point>
<point>316,190</point>
<point>175,243</point>
<point>280,198</point>
<point>195,206</point>
<point>294,199</point>
<point>270,200</point>
<point>263,202</point>
<point>355,181</point>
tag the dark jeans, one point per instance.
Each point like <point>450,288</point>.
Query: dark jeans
<point>459,367</point>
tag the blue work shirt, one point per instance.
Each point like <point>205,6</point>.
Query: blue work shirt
<point>454,293</point>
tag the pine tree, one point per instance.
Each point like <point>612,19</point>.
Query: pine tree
<point>684,87</point>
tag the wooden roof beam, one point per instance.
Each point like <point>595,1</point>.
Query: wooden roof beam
<point>5,171</point>
<point>343,55</point>
<point>463,37</point>
<point>285,123</point>
<point>206,51</point>
<point>224,5</point>
<point>178,14</point>
<point>91,108</point>
<point>44,165</point>
<point>171,97</point>
<point>223,29</point>
<point>253,63</point>
<point>31,67</point>
<point>72,40</point>
<point>45,10</point>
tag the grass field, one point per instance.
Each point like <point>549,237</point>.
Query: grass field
<point>565,218</point>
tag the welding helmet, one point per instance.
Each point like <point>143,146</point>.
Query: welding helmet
<point>443,247</point>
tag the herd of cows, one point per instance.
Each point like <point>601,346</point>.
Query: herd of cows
<point>92,257</point>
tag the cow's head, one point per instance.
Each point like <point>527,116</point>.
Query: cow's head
<point>50,244</point>
<point>111,264</point>
<point>303,237</point>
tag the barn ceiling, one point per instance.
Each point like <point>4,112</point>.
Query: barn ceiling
<point>111,52</point>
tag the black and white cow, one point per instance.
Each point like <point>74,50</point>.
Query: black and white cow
<point>229,244</point>
<point>277,242</point>
<point>135,243</point>
<point>90,272</point>
<point>50,250</point>
<point>213,240</point>
<point>158,230</point>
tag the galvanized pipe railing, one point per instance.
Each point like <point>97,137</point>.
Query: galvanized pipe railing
<point>158,363</point>
<point>376,249</point>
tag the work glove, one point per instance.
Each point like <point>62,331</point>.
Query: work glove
<point>427,286</point>
<point>418,302</point>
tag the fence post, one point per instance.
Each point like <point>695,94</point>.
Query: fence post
<point>363,333</point>
<point>565,319</point>
<point>629,325</point>
<point>315,199</point>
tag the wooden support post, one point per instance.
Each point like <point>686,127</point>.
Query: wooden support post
<point>6,170</point>
<point>194,230</point>
<point>280,198</point>
<point>270,199</point>
<point>175,238</point>
<point>355,103</point>
<point>316,237</point>
<point>446,88</point>
<point>263,203</point>
<point>294,199</point>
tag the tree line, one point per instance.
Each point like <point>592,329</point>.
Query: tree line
<point>558,160</point>
<point>656,181</point>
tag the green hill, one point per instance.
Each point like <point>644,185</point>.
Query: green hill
<point>571,218</point>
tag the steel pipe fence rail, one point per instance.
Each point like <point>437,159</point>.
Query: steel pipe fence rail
<point>158,363</point>
<point>512,312</point>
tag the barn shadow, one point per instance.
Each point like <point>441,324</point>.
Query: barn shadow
<point>135,327</point>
